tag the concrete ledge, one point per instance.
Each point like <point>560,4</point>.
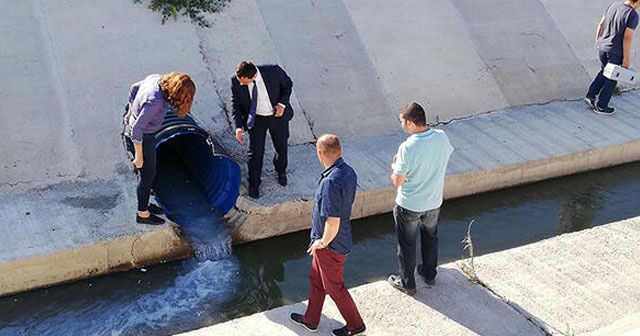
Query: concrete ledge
<point>250,221</point>
<point>112,255</point>
<point>534,171</point>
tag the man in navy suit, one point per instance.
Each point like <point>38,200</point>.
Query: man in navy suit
<point>260,103</point>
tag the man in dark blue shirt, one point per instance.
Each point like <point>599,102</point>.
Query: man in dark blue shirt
<point>613,41</point>
<point>331,240</point>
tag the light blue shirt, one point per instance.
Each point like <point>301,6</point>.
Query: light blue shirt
<point>423,157</point>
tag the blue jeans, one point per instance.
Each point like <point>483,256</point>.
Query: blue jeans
<point>602,86</point>
<point>407,223</point>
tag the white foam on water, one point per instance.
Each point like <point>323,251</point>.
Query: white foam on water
<point>203,284</point>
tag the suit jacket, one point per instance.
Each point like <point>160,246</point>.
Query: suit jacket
<point>278,86</point>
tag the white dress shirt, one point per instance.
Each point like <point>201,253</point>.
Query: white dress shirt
<point>263,108</point>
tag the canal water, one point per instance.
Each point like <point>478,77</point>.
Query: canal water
<point>223,283</point>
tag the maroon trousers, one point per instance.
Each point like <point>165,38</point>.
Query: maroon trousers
<point>326,278</point>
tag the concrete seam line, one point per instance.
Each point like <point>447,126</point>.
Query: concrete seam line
<point>544,327</point>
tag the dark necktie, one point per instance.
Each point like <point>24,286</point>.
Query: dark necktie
<point>252,110</point>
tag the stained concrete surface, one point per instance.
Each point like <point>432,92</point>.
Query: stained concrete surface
<point>75,230</point>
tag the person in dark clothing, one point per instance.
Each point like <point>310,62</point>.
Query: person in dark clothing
<point>260,103</point>
<point>149,100</point>
<point>613,41</point>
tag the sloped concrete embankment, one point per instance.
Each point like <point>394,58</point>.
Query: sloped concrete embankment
<point>353,64</point>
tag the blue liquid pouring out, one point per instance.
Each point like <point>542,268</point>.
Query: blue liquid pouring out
<point>186,168</point>
<point>185,175</point>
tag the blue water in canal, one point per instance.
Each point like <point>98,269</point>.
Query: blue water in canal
<point>221,283</point>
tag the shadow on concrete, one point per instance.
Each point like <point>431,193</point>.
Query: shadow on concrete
<point>281,317</point>
<point>472,306</point>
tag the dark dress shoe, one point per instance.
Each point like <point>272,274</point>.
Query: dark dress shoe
<point>344,331</point>
<point>297,319</point>
<point>151,220</point>
<point>282,179</point>
<point>154,209</point>
<point>254,192</point>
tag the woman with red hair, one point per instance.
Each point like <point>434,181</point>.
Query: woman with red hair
<point>149,100</point>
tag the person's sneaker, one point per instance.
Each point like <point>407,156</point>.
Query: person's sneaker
<point>151,220</point>
<point>396,283</point>
<point>344,331</point>
<point>297,319</point>
<point>604,110</point>
<point>591,102</point>
<point>429,282</point>
<point>154,209</point>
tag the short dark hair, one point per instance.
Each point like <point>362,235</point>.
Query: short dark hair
<point>246,69</point>
<point>329,144</point>
<point>414,113</point>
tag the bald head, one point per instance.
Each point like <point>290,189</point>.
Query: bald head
<point>329,149</point>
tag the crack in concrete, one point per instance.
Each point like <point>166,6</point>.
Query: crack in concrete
<point>202,48</point>
<point>547,329</point>
<point>508,109</point>
<point>132,253</point>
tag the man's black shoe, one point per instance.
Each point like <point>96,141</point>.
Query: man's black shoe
<point>154,209</point>
<point>591,102</point>
<point>151,220</point>
<point>344,331</point>
<point>254,192</point>
<point>282,179</point>
<point>396,283</point>
<point>297,319</point>
<point>604,110</point>
<point>429,282</point>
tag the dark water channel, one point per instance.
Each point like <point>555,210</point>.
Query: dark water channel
<point>222,284</point>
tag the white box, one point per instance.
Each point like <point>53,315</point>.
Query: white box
<point>619,73</point>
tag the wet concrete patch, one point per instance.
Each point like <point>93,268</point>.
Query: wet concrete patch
<point>106,202</point>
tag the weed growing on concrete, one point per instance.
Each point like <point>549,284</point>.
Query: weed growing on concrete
<point>194,9</point>
<point>469,269</point>
<point>569,331</point>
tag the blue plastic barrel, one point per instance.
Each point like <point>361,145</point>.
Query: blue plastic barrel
<point>217,175</point>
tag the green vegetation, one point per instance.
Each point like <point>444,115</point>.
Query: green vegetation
<point>194,9</point>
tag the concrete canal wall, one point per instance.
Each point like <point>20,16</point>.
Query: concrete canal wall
<point>67,67</point>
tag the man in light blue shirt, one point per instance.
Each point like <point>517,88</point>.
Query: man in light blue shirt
<point>418,172</point>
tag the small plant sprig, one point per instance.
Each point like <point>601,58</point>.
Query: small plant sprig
<point>469,270</point>
<point>194,9</point>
